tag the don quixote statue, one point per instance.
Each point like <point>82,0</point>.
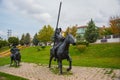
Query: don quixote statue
<point>60,49</point>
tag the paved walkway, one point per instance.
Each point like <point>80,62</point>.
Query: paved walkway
<point>34,72</point>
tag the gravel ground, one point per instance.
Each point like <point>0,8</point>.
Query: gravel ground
<point>34,72</point>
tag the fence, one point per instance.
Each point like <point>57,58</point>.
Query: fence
<point>109,39</point>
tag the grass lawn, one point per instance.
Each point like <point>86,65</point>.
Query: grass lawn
<point>96,55</point>
<point>4,48</point>
<point>4,76</point>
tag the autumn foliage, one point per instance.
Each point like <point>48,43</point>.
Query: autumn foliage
<point>115,25</point>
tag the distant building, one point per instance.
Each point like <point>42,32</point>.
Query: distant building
<point>109,39</point>
<point>80,32</point>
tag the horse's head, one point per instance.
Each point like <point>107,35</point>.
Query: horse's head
<point>71,39</point>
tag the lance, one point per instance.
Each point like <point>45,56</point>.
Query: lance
<point>58,14</point>
<point>58,19</point>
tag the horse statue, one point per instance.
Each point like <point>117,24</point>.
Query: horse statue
<point>15,56</point>
<point>63,53</point>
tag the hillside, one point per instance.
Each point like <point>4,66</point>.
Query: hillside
<point>95,55</point>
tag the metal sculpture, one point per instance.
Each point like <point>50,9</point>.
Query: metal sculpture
<point>15,56</point>
<point>60,49</point>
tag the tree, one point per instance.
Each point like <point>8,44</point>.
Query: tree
<point>108,31</point>
<point>71,30</point>
<point>91,33</point>
<point>45,34</point>
<point>103,31</point>
<point>67,31</point>
<point>115,24</point>
<point>27,39</point>
<point>22,41</point>
<point>3,43</point>
<point>13,40</point>
<point>35,40</point>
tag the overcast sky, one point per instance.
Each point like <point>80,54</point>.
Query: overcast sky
<point>22,16</point>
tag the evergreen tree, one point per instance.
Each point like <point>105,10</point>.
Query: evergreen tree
<point>27,39</point>
<point>35,40</point>
<point>91,33</point>
<point>22,41</point>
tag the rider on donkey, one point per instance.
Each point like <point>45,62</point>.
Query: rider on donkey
<point>14,50</point>
<point>58,39</point>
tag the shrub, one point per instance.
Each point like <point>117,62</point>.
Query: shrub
<point>43,47</point>
<point>38,49</point>
<point>83,43</point>
<point>81,48</point>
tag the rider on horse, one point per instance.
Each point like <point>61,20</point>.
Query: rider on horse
<point>58,39</point>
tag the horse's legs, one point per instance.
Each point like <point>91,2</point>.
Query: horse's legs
<point>15,60</point>
<point>15,63</point>
<point>70,63</point>
<point>18,62</point>
<point>51,57</point>
<point>60,65</point>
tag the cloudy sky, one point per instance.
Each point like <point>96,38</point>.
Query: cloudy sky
<point>22,16</point>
